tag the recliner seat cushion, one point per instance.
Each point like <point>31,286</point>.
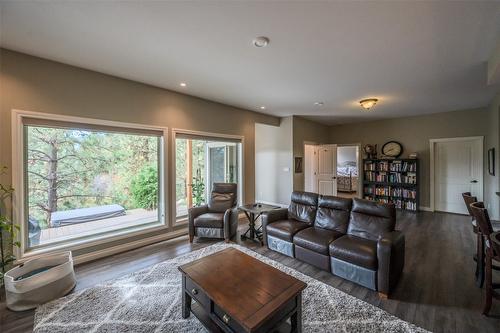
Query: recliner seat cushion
<point>209,220</point>
<point>370,219</point>
<point>316,239</point>
<point>303,207</point>
<point>355,250</point>
<point>285,229</point>
<point>333,213</point>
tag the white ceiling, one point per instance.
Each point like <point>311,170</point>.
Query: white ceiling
<point>416,57</point>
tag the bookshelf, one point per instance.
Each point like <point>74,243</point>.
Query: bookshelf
<point>392,180</point>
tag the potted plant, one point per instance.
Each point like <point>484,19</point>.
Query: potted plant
<point>7,229</point>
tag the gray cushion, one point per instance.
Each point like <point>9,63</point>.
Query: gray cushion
<point>220,202</point>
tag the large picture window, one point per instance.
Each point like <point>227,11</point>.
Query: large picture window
<point>86,181</point>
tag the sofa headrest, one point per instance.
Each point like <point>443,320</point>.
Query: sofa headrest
<point>370,219</point>
<point>305,198</point>
<point>333,213</point>
<point>335,202</point>
<point>374,208</point>
<point>303,207</point>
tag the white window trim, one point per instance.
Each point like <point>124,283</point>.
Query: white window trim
<point>18,181</point>
<point>241,180</point>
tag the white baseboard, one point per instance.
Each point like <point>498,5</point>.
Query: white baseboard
<point>127,247</point>
<point>425,209</point>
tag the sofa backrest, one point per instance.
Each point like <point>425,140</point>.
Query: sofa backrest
<point>303,206</point>
<point>333,213</point>
<point>371,219</point>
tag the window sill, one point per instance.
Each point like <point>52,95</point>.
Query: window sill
<point>89,242</point>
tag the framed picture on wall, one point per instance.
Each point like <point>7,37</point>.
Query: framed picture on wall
<point>491,161</point>
<point>298,165</point>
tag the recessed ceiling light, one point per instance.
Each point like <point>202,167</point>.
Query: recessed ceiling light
<point>262,107</point>
<point>319,103</point>
<point>368,103</point>
<point>261,41</point>
<point>182,84</point>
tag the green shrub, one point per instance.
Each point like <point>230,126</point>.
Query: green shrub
<point>144,188</point>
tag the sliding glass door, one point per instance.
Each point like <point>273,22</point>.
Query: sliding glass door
<point>201,162</point>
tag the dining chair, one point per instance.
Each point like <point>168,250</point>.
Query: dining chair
<point>479,255</point>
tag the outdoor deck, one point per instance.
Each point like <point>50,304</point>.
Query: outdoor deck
<point>133,218</point>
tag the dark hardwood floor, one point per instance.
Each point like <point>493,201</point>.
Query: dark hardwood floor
<point>437,290</point>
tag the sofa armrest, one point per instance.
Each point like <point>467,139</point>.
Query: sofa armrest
<point>270,217</point>
<point>230,223</point>
<point>193,213</point>
<point>391,260</point>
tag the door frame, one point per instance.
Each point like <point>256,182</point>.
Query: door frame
<point>209,135</point>
<point>432,143</point>
<point>359,192</point>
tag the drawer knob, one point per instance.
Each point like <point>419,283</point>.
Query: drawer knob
<point>225,318</point>
<point>194,291</point>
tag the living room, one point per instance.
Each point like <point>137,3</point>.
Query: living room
<point>249,166</point>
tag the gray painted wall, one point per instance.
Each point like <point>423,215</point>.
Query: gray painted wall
<point>415,132</point>
<point>34,84</point>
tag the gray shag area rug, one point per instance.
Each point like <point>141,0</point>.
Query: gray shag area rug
<point>150,301</point>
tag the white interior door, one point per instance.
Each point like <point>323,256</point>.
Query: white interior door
<point>311,168</point>
<point>458,168</point>
<point>327,170</point>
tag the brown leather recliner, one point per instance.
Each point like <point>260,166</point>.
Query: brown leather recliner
<point>354,239</point>
<point>217,219</point>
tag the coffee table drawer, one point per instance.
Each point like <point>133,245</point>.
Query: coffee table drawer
<point>226,319</point>
<point>196,293</point>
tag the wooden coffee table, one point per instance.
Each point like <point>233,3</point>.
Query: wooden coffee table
<point>234,292</point>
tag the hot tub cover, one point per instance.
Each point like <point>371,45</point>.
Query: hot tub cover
<point>82,215</point>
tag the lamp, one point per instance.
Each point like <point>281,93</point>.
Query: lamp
<point>368,103</point>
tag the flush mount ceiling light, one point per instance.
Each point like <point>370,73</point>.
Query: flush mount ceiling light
<point>182,84</point>
<point>260,41</point>
<point>262,107</point>
<point>319,103</point>
<point>368,103</point>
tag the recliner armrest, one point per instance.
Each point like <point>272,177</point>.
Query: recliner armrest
<point>230,223</point>
<point>193,213</point>
<point>270,217</point>
<point>391,258</point>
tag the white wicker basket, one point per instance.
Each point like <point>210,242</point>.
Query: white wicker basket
<point>31,291</point>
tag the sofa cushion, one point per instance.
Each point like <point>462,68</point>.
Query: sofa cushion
<point>333,213</point>
<point>370,219</point>
<point>285,229</point>
<point>316,239</point>
<point>209,220</point>
<point>303,207</point>
<point>355,250</point>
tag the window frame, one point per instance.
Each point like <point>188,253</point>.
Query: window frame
<point>19,182</point>
<point>183,221</point>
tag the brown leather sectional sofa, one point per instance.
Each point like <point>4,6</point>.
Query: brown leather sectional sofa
<point>352,238</point>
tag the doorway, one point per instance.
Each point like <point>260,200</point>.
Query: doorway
<point>332,169</point>
<point>348,171</point>
<point>456,167</point>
